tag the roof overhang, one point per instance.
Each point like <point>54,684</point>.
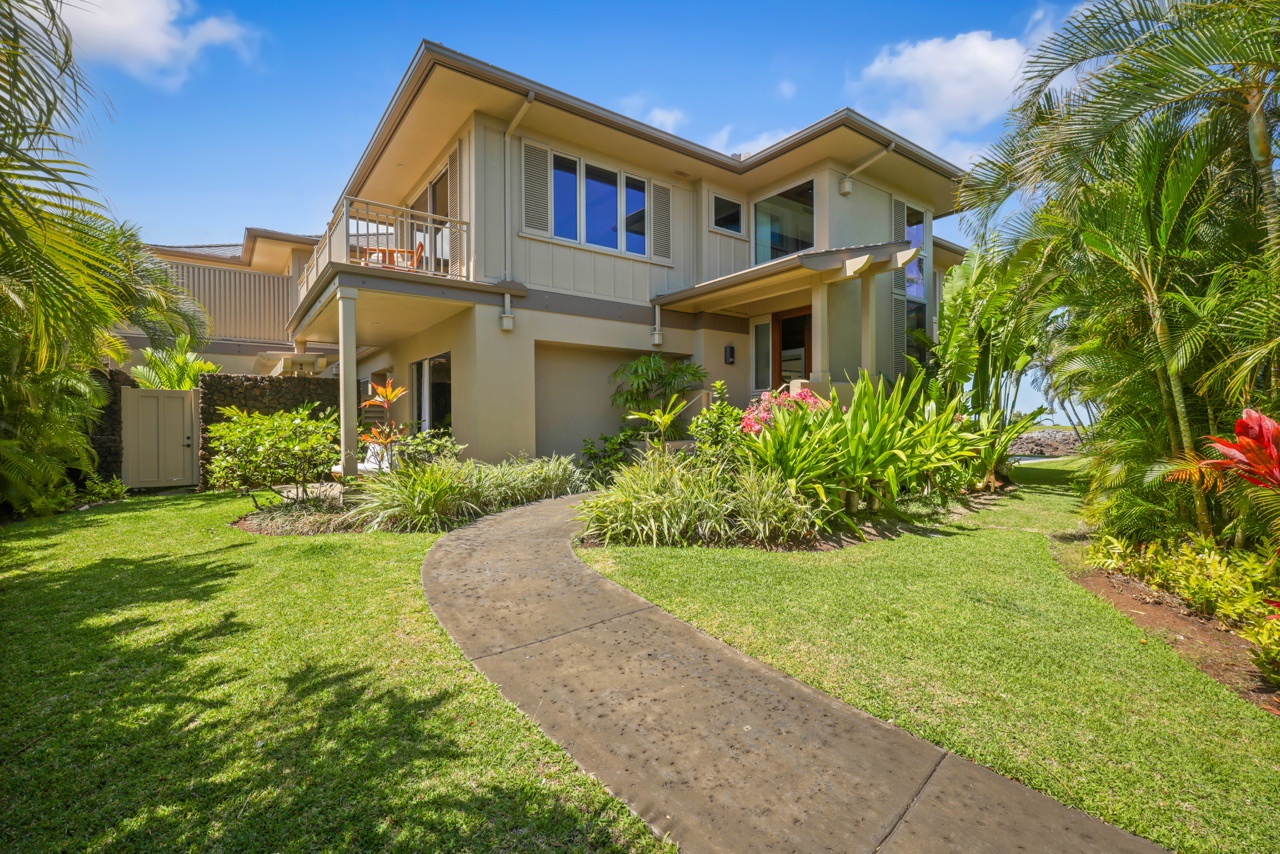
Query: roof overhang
<point>263,250</point>
<point>389,305</point>
<point>442,88</point>
<point>947,254</point>
<point>790,273</point>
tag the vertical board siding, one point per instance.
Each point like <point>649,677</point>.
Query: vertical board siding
<point>242,305</point>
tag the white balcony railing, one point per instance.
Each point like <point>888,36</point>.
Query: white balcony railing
<point>386,237</point>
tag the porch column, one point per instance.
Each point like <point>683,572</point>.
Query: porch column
<point>820,360</point>
<point>348,399</point>
<point>867,284</point>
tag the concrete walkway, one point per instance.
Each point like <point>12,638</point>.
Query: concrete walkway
<point>706,744</point>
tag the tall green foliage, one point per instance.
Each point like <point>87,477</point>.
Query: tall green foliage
<point>1135,194</point>
<point>69,276</point>
<point>177,367</point>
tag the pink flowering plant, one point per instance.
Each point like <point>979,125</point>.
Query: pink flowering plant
<point>761,413</point>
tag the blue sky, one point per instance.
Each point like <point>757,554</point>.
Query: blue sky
<point>216,116</point>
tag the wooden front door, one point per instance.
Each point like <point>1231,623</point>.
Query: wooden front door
<point>792,345</point>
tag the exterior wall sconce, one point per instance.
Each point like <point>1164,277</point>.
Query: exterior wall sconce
<point>656,335</point>
<point>506,320</point>
<point>728,354</point>
<point>846,186</point>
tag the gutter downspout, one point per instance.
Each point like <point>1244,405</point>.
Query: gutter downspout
<point>506,185</point>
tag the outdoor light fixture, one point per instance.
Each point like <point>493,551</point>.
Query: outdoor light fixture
<point>728,354</point>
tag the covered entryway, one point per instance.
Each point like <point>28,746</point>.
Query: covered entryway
<point>158,432</point>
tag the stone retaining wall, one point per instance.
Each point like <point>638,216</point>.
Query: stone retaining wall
<point>257,394</point>
<point>107,435</point>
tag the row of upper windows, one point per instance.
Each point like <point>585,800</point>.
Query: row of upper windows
<point>594,205</point>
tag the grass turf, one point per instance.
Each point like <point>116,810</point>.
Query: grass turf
<point>170,683</point>
<point>974,638</point>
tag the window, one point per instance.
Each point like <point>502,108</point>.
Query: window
<point>564,197</point>
<point>598,206</point>
<point>762,363</point>
<point>915,270</point>
<point>433,392</point>
<point>784,223</point>
<point>917,316</point>
<point>635,216</point>
<point>601,206</point>
<point>726,214</point>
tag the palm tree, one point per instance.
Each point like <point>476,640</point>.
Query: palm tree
<point>1131,257</point>
<point>1117,63</point>
<point>70,278</point>
<point>176,367</point>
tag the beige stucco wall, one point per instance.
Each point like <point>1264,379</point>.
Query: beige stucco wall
<point>495,373</point>
<point>572,395</point>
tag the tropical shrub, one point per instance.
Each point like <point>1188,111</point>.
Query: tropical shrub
<point>602,457</point>
<point>441,495</point>
<point>177,367</point>
<point>1265,635</point>
<point>717,430</point>
<point>253,450</point>
<point>95,490</point>
<point>428,446</point>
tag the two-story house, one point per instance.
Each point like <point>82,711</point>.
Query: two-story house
<point>502,246</point>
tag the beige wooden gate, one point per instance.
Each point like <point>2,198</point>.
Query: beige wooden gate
<point>158,429</point>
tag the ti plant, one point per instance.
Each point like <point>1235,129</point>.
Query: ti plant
<point>386,432</point>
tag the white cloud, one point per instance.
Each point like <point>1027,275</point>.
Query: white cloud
<point>723,140</point>
<point>156,41</point>
<point>936,90</point>
<point>946,94</point>
<point>667,119</point>
<point>641,106</point>
<point>787,89</point>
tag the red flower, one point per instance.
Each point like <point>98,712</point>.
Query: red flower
<point>1274,603</point>
<point>1255,454</point>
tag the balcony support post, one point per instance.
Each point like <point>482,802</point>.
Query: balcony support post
<point>867,284</point>
<point>348,398</point>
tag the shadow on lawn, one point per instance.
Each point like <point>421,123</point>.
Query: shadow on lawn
<point>117,731</point>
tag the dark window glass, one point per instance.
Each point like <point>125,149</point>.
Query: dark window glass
<point>917,317</point>
<point>793,340</point>
<point>635,211</point>
<point>915,270</point>
<point>564,196</point>
<point>763,357</point>
<point>601,207</point>
<point>784,223</point>
<point>440,391</point>
<point>726,214</point>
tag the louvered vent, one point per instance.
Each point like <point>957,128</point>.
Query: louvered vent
<point>455,213</point>
<point>537,182</point>
<point>661,222</point>
<point>899,233</point>
<point>899,335</point>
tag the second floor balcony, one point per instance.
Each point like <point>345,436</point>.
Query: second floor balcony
<point>386,237</point>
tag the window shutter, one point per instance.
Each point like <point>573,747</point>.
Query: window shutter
<point>899,334</point>
<point>455,213</point>
<point>661,222</point>
<point>899,233</point>
<point>537,189</point>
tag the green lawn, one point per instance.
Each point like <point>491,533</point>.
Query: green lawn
<point>169,683</point>
<point>974,638</point>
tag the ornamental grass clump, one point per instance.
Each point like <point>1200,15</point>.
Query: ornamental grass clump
<point>447,493</point>
<point>673,499</point>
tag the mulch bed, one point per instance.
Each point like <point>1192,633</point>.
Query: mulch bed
<point>1203,641</point>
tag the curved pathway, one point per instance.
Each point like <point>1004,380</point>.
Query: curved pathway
<point>706,744</point>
